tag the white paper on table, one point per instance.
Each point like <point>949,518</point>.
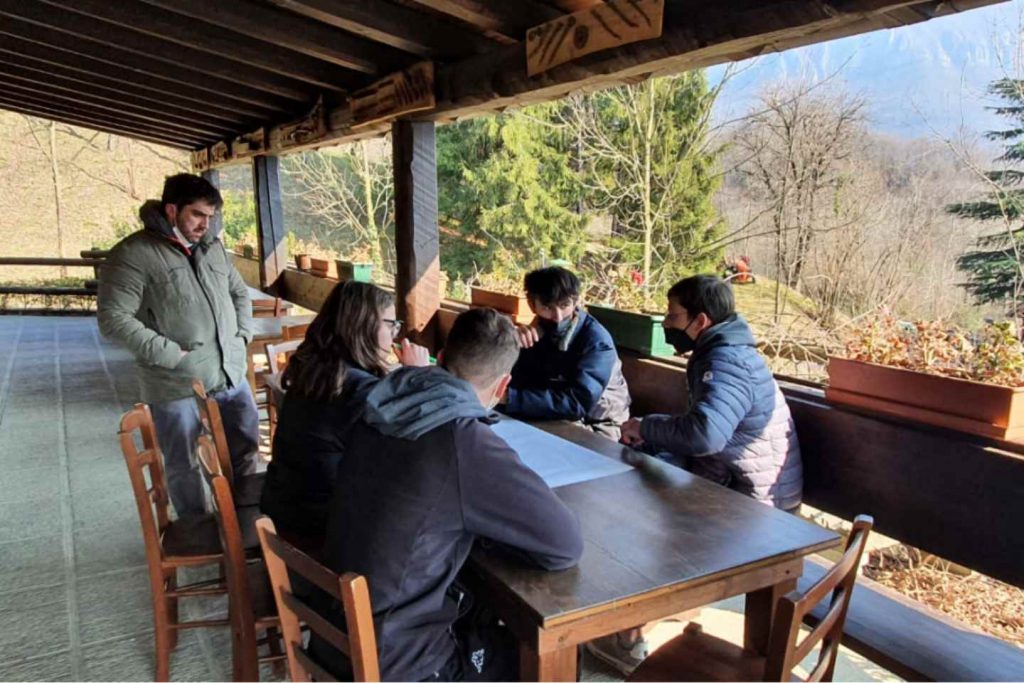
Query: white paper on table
<point>557,461</point>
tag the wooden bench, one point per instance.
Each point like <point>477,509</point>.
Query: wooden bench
<point>914,641</point>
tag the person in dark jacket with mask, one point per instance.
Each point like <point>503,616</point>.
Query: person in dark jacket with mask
<point>738,430</point>
<point>568,368</point>
<point>424,477</point>
<point>345,351</point>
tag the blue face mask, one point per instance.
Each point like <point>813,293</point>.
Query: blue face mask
<point>554,329</point>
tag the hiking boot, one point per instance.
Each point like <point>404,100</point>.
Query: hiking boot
<point>624,650</point>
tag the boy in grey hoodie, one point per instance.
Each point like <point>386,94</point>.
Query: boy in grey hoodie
<point>423,477</point>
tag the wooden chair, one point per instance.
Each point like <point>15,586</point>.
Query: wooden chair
<point>247,488</point>
<point>251,607</point>
<point>278,356</point>
<point>189,542</point>
<point>267,308</point>
<point>350,590</point>
<point>696,656</point>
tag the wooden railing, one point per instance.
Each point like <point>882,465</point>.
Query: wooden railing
<point>91,259</point>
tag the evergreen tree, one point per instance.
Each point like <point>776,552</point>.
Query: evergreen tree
<point>994,268</point>
<point>510,194</point>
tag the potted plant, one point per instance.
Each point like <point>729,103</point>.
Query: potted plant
<point>302,262</point>
<point>936,374</point>
<point>503,293</point>
<point>628,318</point>
<point>322,267</point>
<point>248,251</point>
<point>355,270</point>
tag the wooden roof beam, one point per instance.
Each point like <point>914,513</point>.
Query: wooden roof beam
<point>288,30</point>
<point>37,72</point>
<point>95,124</point>
<point>168,26</point>
<point>145,112</point>
<point>510,19</point>
<point>420,33</point>
<point>135,48</point>
<point>74,103</point>
<point>93,70</point>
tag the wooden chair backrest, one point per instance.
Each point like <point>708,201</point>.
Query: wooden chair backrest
<point>280,353</point>
<point>290,332</point>
<point>240,609</point>
<point>267,308</point>
<point>213,425</point>
<point>150,496</point>
<point>784,653</point>
<point>350,590</point>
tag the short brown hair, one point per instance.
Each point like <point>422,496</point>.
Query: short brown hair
<point>482,346</point>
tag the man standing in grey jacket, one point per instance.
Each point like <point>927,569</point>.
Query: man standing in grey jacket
<point>170,294</point>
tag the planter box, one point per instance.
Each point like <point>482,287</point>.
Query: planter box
<point>516,306</point>
<point>302,262</point>
<point>636,331</point>
<point>360,272</point>
<point>985,409</point>
<point>323,267</point>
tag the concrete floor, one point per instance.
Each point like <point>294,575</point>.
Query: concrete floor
<point>74,592</point>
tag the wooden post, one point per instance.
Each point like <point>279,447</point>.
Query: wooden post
<point>416,237</point>
<point>266,184</point>
<point>212,176</point>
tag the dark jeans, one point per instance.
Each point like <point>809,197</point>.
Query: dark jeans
<point>177,430</point>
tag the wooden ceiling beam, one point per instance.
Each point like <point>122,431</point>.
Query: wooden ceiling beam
<point>697,34</point>
<point>95,124</point>
<point>72,104</point>
<point>135,48</point>
<point>146,111</point>
<point>54,77</point>
<point>406,29</point>
<point>294,32</point>
<point>511,19</point>
<point>168,26</point>
<point>93,70</point>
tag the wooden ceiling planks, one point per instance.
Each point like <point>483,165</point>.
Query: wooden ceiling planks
<point>400,27</point>
<point>193,73</point>
<point>287,29</point>
<point>163,26</point>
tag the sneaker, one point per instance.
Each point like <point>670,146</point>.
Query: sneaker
<point>624,650</point>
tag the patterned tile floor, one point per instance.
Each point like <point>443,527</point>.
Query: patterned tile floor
<point>74,593</point>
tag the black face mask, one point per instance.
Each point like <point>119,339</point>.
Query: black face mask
<point>554,329</point>
<point>679,340</point>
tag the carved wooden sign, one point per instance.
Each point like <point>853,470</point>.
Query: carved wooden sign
<point>400,93</point>
<point>250,144</point>
<point>311,127</point>
<point>603,26</point>
<point>220,153</point>
<point>200,160</point>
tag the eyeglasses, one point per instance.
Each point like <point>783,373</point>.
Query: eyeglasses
<point>396,326</point>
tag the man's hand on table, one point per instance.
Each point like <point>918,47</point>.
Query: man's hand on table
<point>631,433</point>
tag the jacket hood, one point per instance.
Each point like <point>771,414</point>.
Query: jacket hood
<point>733,331</point>
<point>410,402</point>
<point>151,213</point>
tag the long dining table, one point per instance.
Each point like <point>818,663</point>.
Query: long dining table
<point>657,541</point>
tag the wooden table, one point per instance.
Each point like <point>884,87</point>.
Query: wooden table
<point>269,330</point>
<point>259,295</point>
<point>657,541</point>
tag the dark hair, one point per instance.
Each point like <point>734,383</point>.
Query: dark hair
<point>707,294</point>
<point>481,346</point>
<point>184,189</point>
<point>343,334</point>
<point>551,285</point>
